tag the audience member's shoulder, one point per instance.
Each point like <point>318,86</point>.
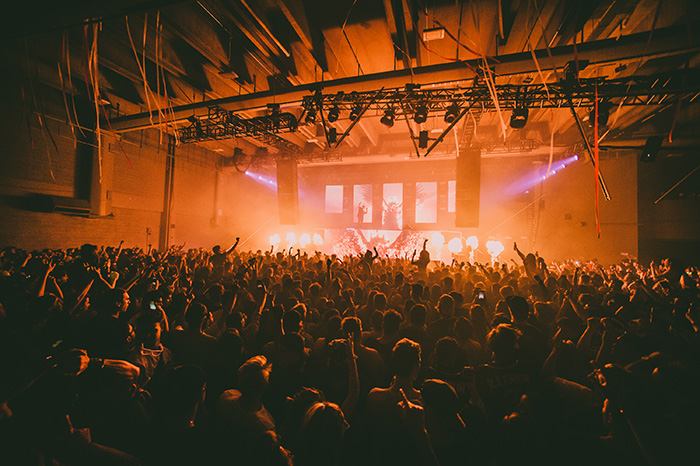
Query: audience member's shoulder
<point>229,396</point>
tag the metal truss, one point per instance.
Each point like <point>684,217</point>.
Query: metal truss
<point>571,92</point>
<point>633,90</point>
<point>223,124</point>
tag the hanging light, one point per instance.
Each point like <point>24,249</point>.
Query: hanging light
<point>423,139</point>
<point>333,114</point>
<point>518,118</point>
<point>332,135</point>
<point>421,115</point>
<point>388,118</point>
<point>452,112</point>
<point>310,116</point>
<point>603,113</point>
<point>354,112</point>
<point>356,106</point>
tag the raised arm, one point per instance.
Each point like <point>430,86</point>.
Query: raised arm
<point>350,401</point>
<point>42,287</point>
<point>528,272</point>
<point>230,250</point>
<point>119,251</point>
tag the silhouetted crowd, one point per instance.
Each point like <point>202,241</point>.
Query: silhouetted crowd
<point>120,356</point>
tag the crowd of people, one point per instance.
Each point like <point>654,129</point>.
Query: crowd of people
<point>125,356</point>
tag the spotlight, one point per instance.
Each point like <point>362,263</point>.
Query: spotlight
<point>519,117</point>
<point>354,112</point>
<point>421,115</point>
<point>452,112</point>
<point>388,118</point>
<point>310,116</point>
<point>333,114</point>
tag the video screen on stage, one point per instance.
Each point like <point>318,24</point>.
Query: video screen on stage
<point>334,199</point>
<point>362,203</point>
<point>452,196</point>
<point>426,202</point>
<point>392,206</point>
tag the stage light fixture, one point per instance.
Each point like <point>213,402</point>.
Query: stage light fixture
<point>421,115</point>
<point>333,114</point>
<point>332,135</point>
<point>603,113</point>
<point>310,116</point>
<point>452,112</point>
<point>388,118</point>
<point>518,118</point>
<point>354,112</point>
<point>423,140</point>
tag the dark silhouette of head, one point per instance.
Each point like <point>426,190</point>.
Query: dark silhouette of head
<point>405,358</point>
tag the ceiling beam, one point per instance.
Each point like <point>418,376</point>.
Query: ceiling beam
<point>671,40</point>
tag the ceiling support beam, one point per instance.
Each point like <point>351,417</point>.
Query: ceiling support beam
<point>671,40</point>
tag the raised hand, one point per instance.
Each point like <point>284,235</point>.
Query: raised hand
<point>412,414</point>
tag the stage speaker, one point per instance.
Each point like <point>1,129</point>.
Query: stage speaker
<point>651,149</point>
<point>287,192</point>
<point>468,188</point>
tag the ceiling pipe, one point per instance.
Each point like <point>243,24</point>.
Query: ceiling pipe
<point>670,40</point>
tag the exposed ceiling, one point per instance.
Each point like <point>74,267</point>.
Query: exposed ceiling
<point>165,63</point>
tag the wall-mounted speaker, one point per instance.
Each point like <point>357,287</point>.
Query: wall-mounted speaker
<point>468,188</point>
<point>287,192</point>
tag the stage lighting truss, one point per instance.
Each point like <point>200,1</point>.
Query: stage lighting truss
<point>411,102</point>
<point>223,124</point>
<point>453,103</point>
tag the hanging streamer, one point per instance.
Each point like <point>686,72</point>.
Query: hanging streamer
<point>618,112</point>
<point>451,36</point>
<point>597,163</point>
<point>551,140</point>
<point>675,118</point>
<point>65,104</point>
<point>114,134</point>
<point>539,70</point>
<point>141,67</point>
<point>40,115</point>
<point>63,91</point>
<point>161,74</point>
<point>157,96</point>
<point>494,96</point>
<point>454,129</point>
<point>26,116</point>
<point>94,78</point>
<point>70,86</point>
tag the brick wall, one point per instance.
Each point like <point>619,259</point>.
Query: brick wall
<point>132,193</point>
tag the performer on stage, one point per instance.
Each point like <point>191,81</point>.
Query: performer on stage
<point>361,212</point>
